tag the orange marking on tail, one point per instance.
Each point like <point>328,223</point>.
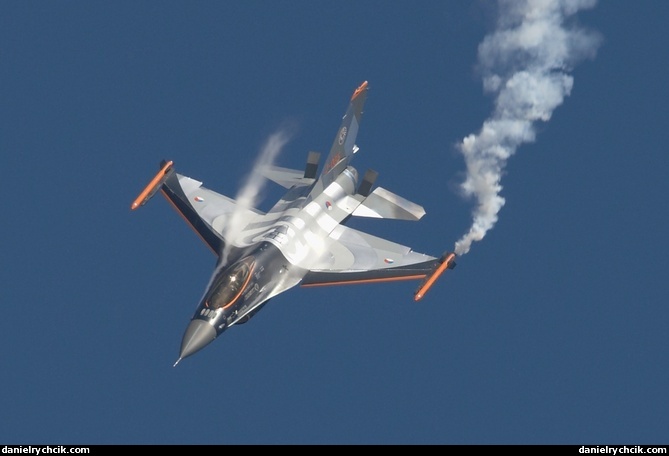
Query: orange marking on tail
<point>362,87</point>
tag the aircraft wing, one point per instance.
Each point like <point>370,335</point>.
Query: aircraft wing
<point>358,257</point>
<point>205,210</point>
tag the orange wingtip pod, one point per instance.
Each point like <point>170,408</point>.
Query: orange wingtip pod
<point>153,186</point>
<point>362,87</point>
<point>447,262</point>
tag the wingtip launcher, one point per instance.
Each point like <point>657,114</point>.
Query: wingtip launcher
<point>153,186</point>
<point>447,261</point>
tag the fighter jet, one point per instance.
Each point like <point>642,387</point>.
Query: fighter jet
<point>301,240</point>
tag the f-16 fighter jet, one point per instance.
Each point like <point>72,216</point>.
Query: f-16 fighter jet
<point>302,240</point>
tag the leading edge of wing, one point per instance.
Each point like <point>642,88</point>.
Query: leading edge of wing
<point>358,257</point>
<point>204,210</point>
<point>174,193</point>
<point>413,272</point>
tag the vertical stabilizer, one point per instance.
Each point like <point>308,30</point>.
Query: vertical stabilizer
<point>343,146</point>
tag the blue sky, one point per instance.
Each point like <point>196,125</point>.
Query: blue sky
<point>552,329</point>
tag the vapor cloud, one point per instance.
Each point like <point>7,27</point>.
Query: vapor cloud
<point>525,64</point>
<point>251,191</point>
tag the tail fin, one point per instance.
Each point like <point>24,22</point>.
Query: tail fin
<point>343,146</point>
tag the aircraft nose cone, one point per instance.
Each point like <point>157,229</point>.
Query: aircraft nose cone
<point>198,334</point>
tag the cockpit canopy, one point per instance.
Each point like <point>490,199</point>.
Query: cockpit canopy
<point>229,284</point>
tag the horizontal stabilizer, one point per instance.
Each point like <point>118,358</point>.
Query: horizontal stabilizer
<point>368,180</point>
<point>312,165</point>
<point>286,177</point>
<point>382,203</point>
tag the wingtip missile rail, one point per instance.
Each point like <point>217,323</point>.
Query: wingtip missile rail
<point>447,261</point>
<point>153,186</point>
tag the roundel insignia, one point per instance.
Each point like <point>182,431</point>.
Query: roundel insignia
<point>389,260</point>
<point>328,205</point>
<point>342,135</point>
<point>198,199</point>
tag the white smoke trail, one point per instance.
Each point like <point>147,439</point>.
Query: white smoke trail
<point>250,192</point>
<point>525,62</point>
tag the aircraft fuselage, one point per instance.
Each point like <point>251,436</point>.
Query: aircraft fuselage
<point>268,264</point>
